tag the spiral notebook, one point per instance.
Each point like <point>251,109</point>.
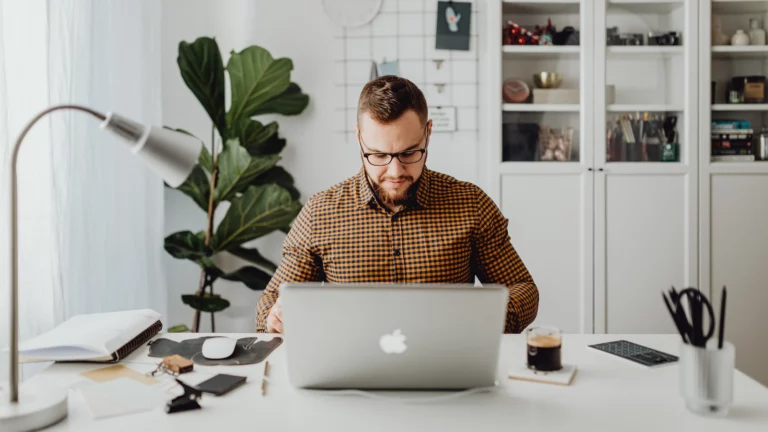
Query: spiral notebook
<point>102,337</point>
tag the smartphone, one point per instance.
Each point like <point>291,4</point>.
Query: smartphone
<point>221,384</point>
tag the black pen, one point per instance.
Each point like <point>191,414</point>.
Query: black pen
<point>721,331</point>
<point>696,307</point>
<point>675,318</point>
<point>673,295</point>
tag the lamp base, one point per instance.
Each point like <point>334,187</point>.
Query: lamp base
<point>38,407</point>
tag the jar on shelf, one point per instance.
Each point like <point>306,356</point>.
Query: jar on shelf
<point>752,88</point>
<point>756,33</point>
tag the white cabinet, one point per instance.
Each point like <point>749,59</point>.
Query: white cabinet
<point>605,231</point>
<point>548,203</point>
<point>733,209</point>
<point>645,221</point>
<point>550,227</point>
<point>642,246</point>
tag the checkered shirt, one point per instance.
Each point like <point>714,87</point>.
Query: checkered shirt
<point>449,233</point>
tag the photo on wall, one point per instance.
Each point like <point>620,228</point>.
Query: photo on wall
<point>453,21</point>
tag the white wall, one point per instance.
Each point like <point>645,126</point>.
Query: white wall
<point>300,30</point>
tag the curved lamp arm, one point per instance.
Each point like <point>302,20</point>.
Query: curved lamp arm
<point>172,155</point>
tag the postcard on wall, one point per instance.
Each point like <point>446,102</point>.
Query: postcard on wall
<point>453,21</point>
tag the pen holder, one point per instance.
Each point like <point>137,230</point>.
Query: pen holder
<point>706,378</point>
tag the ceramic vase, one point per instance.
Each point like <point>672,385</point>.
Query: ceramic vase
<point>756,34</point>
<point>740,38</point>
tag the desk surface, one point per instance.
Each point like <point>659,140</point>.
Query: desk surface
<point>607,393</point>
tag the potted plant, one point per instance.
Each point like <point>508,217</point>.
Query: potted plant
<point>244,172</point>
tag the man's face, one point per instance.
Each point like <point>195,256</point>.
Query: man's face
<point>393,182</point>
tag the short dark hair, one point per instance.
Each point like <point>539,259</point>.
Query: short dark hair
<point>388,97</point>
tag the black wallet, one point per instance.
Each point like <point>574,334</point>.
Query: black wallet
<point>221,384</point>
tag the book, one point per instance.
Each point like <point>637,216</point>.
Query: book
<point>733,158</point>
<point>747,134</point>
<point>101,337</point>
<point>731,151</point>
<point>730,124</point>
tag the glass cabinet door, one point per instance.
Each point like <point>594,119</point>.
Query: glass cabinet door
<point>739,63</point>
<point>542,81</point>
<point>644,58</point>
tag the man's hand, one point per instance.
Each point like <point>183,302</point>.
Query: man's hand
<point>275,318</point>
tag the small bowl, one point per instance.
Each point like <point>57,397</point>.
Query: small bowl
<point>547,80</point>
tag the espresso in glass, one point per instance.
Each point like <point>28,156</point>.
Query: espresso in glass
<point>544,345</point>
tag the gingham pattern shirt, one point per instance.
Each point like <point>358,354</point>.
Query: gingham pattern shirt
<point>450,233</point>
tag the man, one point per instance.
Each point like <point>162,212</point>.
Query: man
<point>397,221</point>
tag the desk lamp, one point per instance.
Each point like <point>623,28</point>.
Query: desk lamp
<point>172,155</point>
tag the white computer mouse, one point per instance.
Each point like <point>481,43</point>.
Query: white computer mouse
<point>218,347</point>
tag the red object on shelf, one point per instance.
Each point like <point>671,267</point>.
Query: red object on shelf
<point>513,34</point>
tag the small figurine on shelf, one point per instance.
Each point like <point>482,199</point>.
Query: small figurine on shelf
<point>567,36</point>
<point>546,33</point>
<point>718,37</point>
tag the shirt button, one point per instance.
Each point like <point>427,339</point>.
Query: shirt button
<point>394,218</point>
<point>397,252</point>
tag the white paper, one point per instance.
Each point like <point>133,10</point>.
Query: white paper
<point>563,377</point>
<point>88,337</point>
<point>123,396</point>
<point>443,119</point>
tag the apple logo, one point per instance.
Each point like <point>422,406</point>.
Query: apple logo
<point>393,343</point>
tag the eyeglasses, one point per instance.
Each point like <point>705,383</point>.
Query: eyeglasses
<point>406,157</point>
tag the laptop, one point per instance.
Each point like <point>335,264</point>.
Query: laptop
<point>388,336</point>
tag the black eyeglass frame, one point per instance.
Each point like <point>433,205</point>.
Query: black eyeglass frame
<point>423,150</point>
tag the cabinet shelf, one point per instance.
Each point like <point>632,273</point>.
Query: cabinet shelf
<point>541,51</point>
<point>627,50</point>
<point>617,108</point>
<point>738,7</point>
<point>646,168</point>
<point>740,107</point>
<point>526,107</point>
<point>541,167</point>
<point>540,7</point>
<point>756,167</point>
<point>748,51</point>
<point>647,6</point>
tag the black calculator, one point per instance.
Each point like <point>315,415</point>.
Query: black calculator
<point>636,353</point>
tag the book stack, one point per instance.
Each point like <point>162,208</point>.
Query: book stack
<point>732,141</point>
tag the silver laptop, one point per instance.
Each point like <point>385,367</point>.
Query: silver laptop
<point>424,336</point>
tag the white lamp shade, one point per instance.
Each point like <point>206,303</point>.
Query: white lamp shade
<point>171,155</point>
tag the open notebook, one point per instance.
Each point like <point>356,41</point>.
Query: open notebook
<point>102,337</point>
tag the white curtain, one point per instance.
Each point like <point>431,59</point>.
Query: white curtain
<point>91,217</point>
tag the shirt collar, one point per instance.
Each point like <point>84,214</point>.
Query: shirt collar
<point>365,193</point>
<point>422,193</point>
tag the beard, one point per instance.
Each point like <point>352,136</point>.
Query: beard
<point>395,199</point>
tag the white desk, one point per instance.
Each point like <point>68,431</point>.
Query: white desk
<point>607,393</point>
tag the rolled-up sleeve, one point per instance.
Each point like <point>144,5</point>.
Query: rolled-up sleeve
<point>300,263</point>
<point>496,261</point>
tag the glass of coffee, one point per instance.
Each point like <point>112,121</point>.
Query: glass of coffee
<point>544,346</point>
